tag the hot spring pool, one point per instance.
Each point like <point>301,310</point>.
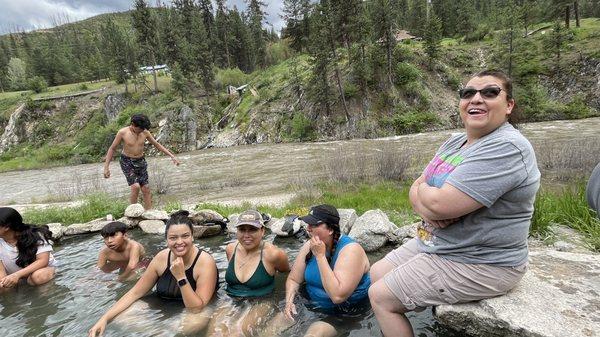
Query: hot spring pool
<point>71,303</point>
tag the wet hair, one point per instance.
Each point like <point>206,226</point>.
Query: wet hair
<point>141,121</point>
<point>507,86</point>
<point>29,237</point>
<point>336,236</point>
<point>180,218</point>
<point>112,228</point>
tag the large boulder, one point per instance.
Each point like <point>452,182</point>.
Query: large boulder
<point>129,222</point>
<point>154,214</point>
<point>205,215</point>
<point>57,230</point>
<point>231,225</point>
<point>558,296</point>
<point>372,230</point>
<point>347,219</point>
<point>206,231</point>
<point>153,226</point>
<point>83,228</point>
<point>134,211</point>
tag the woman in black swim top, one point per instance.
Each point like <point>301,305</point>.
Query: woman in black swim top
<point>181,271</point>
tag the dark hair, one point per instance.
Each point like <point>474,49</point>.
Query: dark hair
<point>141,121</point>
<point>180,218</point>
<point>112,228</point>
<point>507,85</point>
<point>336,237</point>
<point>29,237</point>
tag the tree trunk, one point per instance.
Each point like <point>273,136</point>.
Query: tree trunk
<point>510,51</point>
<point>567,16</point>
<point>576,11</point>
<point>337,73</point>
<point>153,58</point>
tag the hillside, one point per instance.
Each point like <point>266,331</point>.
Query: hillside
<point>279,103</point>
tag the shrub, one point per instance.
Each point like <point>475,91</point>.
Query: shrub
<point>350,90</point>
<point>478,34</point>
<point>406,73</point>
<point>234,77</point>
<point>83,86</point>
<point>414,121</point>
<point>37,84</point>
<point>302,128</point>
<point>418,93</point>
<point>278,52</point>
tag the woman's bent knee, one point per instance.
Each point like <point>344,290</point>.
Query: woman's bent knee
<point>41,276</point>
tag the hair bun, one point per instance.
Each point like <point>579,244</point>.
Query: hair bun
<point>181,213</point>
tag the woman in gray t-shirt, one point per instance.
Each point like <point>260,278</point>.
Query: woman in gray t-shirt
<point>475,199</point>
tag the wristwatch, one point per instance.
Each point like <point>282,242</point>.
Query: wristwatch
<point>182,282</point>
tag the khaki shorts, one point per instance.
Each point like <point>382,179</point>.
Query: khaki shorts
<point>420,280</point>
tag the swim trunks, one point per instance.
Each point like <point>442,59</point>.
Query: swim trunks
<point>135,170</point>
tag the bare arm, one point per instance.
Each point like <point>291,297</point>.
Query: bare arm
<point>294,280</point>
<point>111,152</point>
<point>446,202</point>
<point>160,147</point>
<point>134,259</point>
<point>349,268</point>
<point>101,259</point>
<point>205,283</point>
<point>143,285</point>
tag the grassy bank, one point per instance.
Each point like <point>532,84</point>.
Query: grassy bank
<point>94,206</point>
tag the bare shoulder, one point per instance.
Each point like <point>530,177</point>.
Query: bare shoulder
<point>230,248</point>
<point>137,246</point>
<point>352,249</point>
<point>147,134</point>
<point>272,252</point>
<point>123,130</point>
<point>206,259</point>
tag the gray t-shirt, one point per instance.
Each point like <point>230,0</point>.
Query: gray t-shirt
<point>500,171</point>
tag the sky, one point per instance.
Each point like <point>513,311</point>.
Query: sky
<point>35,14</point>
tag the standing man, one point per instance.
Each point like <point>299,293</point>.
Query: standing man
<point>132,159</point>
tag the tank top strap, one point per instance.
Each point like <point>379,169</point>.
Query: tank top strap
<point>169,260</point>
<point>262,247</point>
<point>196,259</point>
<point>234,251</point>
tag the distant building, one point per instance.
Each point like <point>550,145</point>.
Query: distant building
<point>159,68</point>
<point>401,35</point>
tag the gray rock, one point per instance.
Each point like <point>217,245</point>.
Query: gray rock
<point>57,230</point>
<point>562,246</point>
<point>113,106</point>
<point>347,219</point>
<point>558,296</point>
<point>134,211</point>
<point>152,226</point>
<point>82,228</point>
<point>233,219</point>
<point>129,222</point>
<point>206,231</point>
<point>372,230</point>
<point>205,215</point>
<point>155,214</point>
<point>404,233</point>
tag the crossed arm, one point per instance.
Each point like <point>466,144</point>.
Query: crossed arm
<point>440,206</point>
<point>9,281</point>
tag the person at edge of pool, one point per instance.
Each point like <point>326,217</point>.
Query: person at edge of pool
<point>121,252</point>
<point>250,278</point>
<point>334,268</point>
<point>476,199</point>
<point>132,160</point>
<point>25,252</point>
<point>180,272</point>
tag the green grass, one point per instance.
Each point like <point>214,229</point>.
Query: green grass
<point>94,207</point>
<point>390,197</point>
<point>568,207</point>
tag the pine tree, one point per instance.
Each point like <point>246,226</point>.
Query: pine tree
<point>223,36</point>
<point>145,27</point>
<point>206,10</point>
<point>381,21</point>
<point>433,37</point>
<point>296,16</point>
<point>179,83</point>
<point>256,17</point>
<point>118,52</point>
<point>242,43</point>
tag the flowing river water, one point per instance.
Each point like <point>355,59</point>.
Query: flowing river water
<point>70,304</point>
<point>264,173</point>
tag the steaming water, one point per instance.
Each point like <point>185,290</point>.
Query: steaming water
<point>80,294</point>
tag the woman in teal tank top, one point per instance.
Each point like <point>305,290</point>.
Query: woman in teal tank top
<point>250,275</point>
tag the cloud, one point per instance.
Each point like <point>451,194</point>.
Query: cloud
<point>35,14</point>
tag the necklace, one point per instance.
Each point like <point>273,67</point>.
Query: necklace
<point>242,263</point>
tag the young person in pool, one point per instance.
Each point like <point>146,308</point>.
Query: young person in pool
<point>180,272</point>
<point>250,275</point>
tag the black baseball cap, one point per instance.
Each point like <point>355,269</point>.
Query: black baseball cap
<point>322,213</point>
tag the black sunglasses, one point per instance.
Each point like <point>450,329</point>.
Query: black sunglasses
<point>487,92</point>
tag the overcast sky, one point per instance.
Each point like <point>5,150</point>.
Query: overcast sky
<point>35,14</point>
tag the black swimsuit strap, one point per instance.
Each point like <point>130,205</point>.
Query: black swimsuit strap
<point>196,259</point>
